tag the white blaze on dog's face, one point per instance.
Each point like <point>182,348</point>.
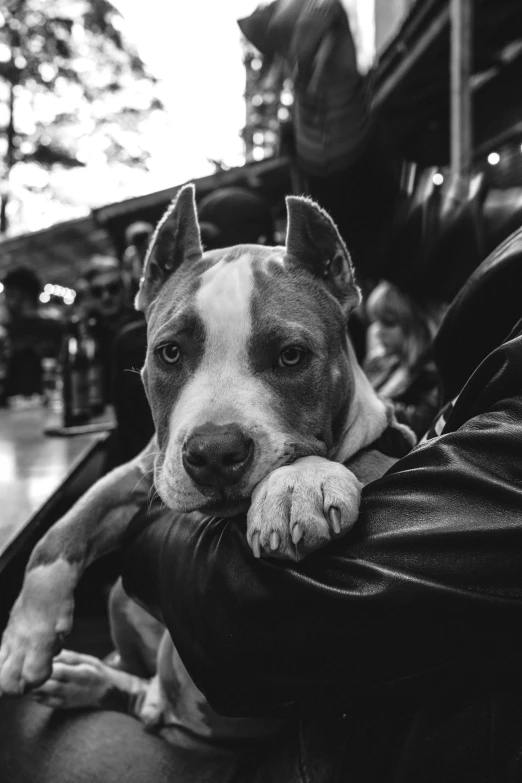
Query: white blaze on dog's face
<point>247,365</point>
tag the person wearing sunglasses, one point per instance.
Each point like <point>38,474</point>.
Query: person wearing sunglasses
<point>108,302</point>
<point>106,290</point>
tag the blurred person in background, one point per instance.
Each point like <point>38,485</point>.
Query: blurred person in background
<point>30,337</point>
<point>108,306</point>
<point>107,294</point>
<point>133,417</point>
<point>399,360</point>
<point>79,306</point>
<point>235,216</point>
<point>137,239</point>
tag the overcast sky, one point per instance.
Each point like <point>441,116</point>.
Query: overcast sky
<point>194,46</point>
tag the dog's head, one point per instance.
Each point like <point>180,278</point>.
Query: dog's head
<point>248,364</point>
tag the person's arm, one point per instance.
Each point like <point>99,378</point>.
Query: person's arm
<point>431,573</point>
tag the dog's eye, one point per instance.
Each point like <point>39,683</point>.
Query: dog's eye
<point>291,356</point>
<point>169,353</point>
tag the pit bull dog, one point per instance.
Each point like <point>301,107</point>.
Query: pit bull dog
<point>259,404</point>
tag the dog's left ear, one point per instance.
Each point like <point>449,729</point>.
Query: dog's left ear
<point>312,240</point>
<point>176,239</point>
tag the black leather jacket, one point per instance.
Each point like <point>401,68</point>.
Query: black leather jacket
<point>399,646</point>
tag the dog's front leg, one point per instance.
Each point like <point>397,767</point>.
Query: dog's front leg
<point>300,507</point>
<point>43,612</point>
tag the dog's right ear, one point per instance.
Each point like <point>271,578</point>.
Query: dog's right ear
<point>176,240</point>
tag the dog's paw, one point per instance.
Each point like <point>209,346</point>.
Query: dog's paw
<point>154,710</point>
<point>32,637</point>
<point>299,508</point>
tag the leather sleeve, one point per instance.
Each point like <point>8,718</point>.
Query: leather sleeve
<point>431,574</point>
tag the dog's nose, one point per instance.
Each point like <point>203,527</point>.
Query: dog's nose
<point>217,455</point>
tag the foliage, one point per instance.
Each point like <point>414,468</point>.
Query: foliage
<point>71,87</point>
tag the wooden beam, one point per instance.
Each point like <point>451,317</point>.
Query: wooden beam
<point>460,72</point>
<point>513,133</point>
<point>411,58</point>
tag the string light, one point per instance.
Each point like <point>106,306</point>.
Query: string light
<point>437,178</point>
<point>67,294</point>
<point>493,158</point>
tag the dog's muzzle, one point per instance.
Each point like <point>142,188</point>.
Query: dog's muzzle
<point>217,455</point>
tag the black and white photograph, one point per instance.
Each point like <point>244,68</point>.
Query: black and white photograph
<point>261,391</point>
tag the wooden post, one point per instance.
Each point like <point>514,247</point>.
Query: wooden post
<point>460,72</point>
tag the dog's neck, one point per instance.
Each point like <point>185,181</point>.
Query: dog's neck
<point>367,416</point>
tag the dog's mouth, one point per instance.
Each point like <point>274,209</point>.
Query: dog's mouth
<point>225,508</point>
<point>214,504</point>
<point>225,500</point>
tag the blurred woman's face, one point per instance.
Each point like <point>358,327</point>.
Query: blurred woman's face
<point>390,334</point>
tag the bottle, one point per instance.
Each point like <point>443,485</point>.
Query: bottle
<point>75,365</point>
<point>95,374</point>
<point>51,384</point>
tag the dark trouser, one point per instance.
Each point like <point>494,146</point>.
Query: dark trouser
<point>39,745</point>
<point>462,731</point>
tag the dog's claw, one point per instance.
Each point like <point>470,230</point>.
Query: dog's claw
<point>256,545</point>
<point>335,519</point>
<point>307,504</point>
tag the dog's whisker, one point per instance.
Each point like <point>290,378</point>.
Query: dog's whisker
<point>141,479</point>
<point>153,498</point>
